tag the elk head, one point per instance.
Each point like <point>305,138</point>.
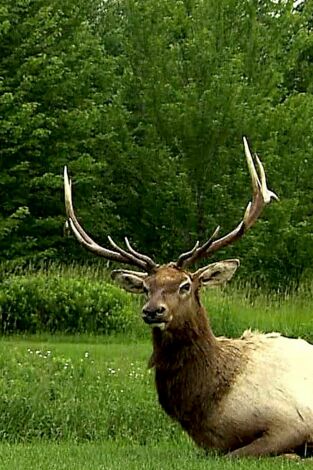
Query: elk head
<point>172,292</point>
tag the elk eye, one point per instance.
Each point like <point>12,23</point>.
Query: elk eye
<point>184,288</point>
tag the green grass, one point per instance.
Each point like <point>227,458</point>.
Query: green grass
<point>117,455</point>
<point>90,406</point>
<point>78,391</point>
<point>232,310</point>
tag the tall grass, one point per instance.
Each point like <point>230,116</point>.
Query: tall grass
<point>234,309</point>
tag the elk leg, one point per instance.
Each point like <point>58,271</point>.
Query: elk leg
<point>270,443</point>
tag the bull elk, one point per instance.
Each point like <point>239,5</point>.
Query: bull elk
<point>251,396</point>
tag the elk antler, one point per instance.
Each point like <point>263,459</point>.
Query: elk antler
<point>261,196</point>
<point>120,255</point>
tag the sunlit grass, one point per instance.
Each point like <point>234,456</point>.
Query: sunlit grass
<point>120,454</point>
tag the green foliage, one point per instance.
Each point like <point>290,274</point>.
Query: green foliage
<point>52,100</point>
<point>37,303</point>
<point>76,300</point>
<point>147,103</point>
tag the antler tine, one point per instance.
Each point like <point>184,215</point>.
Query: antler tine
<point>129,256</point>
<point>185,256</point>
<point>118,255</point>
<point>261,196</point>
<point>69,207</point>
<point>253,173</point>
<point>196,252</point>
<point>267,193</point>
<point>141,256</point>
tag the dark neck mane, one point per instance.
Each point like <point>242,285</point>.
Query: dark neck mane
<point>192,340</point>
<point>193,370</point>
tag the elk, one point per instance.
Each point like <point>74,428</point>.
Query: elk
<point>250,396</point>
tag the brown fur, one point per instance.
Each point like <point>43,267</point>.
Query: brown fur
<point>193,371</point>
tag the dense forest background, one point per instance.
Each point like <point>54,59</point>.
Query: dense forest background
<point>147,103</point>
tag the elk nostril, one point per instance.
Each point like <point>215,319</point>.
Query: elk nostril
<point>161,309</point>
<point>149,312</point>
<point>152,312</point>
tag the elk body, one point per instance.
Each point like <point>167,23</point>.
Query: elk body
<point>250,396</point>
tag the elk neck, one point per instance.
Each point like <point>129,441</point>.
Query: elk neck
<point>193,343</point>
<point>173,347</point>
<point>193,369</point>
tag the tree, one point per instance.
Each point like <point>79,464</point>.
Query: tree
<point>147,103</point>
<point>54,99</point>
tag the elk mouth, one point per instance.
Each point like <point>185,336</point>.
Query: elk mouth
<point>153,321</point>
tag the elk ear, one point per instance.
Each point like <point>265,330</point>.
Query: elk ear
<point>132,281</point>
<point>216,273</point>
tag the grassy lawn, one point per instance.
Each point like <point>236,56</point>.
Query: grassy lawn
<point>115,456</point>
<point>79,391</point>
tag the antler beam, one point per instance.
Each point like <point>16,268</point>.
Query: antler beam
<point>261,196</point>
<point>118,254</point>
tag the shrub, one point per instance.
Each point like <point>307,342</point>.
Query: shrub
<point>54,302</point>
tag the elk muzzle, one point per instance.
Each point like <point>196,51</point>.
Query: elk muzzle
<point>155,314</point>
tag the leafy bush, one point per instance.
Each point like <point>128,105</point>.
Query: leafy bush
<point>34,303</point>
